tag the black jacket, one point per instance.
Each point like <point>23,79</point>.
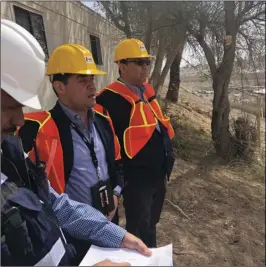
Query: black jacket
<point>32,239</point>
<point>29,132</point>
<point>155,159</point>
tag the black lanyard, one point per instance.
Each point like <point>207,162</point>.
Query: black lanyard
<point>90,146</point>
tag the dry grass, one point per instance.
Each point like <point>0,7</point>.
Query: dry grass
<point>226,210</point>
<point>225,202</point>
<point>244,137</point>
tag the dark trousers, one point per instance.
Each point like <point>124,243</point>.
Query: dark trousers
<point>143,205</point>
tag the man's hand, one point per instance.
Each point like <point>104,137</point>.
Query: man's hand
<point>132,242</point>
<point>110,263</point>
<point>112,213</point>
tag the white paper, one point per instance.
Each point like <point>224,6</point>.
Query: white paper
<point>3,178</point>
<point>160,256</point>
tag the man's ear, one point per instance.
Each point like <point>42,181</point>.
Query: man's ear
<point>59,87</point>
<point>121,68</point>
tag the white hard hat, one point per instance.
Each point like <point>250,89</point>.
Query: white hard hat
<point>22,64</point>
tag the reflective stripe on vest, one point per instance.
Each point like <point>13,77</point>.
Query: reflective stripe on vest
<point>103,112</point>
<point>45,244</point>
<point>50,148</point>
<point>143,117</point>
<point>54,256</point>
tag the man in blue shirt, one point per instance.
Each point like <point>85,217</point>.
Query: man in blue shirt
<point>72,70</point>
<point>32,213</point>
<point>145,135</point>
<point>82,132</point>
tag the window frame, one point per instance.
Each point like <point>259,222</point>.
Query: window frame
<point>98,59</point>
<point>30,11</point>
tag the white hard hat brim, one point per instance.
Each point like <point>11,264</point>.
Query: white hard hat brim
<point>22,96</point>
<point>22,64</point>
<point>33,102</point>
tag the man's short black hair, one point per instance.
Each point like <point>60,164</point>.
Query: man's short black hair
<point>62,78</point>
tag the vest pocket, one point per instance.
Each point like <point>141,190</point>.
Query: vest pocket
<point>37,225</point>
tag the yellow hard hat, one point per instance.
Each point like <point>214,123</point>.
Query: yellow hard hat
<point>131,48</point>
<point>72,58</point>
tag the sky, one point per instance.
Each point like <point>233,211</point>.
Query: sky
<point>88,3</point>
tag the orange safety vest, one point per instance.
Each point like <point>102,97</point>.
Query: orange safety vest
<point>103,112</point>
<point>50,148</point>
<point>143,117</point>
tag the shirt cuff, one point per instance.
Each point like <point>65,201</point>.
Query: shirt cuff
<point>118,189</point>
<point>114,236</point>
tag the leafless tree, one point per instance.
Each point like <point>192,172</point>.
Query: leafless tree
<point>162,32</point>
<point>216,27</point>
<point>219,28</point>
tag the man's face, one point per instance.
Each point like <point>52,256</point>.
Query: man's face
<point>135,71</point>
<point>11,115</point>
<point>79,92</point>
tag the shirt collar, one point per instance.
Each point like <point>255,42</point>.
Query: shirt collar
<point>74,117</point>
<point>131,86</point>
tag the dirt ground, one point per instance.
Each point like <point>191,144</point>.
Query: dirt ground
<point>225,203</point>
<point>227,216</point>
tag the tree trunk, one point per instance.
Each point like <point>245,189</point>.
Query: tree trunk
<point>160,81</point>
<point>221,135</point>
<point>148,33</point>
<point>158,63</point>
<point>173,87</point>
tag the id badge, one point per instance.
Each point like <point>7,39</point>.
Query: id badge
<point>102,197</point>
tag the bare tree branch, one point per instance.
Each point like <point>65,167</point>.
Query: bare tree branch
<point>250,7</point>
<point>116,18</point>
<point>256,16</point>
<point>149,31</point>
<point>207,50</point>
<point>124,10</point>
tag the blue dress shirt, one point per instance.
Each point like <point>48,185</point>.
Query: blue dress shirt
<point>83,175</point>
<point>84,222</point>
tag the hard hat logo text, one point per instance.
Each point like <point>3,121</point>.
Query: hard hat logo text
<point>142,47</point>
<point>89,60</point>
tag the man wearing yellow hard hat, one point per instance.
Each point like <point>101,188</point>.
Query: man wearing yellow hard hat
<point>145,135</point>
<point>76,138</point>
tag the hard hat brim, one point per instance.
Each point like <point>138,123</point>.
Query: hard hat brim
<point>98,72</point>
<point>33,102</point>
<point>22,96</point>
<point>146,56</point>
<point>88,72</point>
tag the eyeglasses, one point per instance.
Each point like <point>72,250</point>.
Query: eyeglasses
<point>140,62</point>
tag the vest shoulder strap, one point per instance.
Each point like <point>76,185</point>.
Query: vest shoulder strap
<point>40,117</point>
<point>34,122</point>
<point>123,90</point>
<point>149,92</point>
<point>101,110</point>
